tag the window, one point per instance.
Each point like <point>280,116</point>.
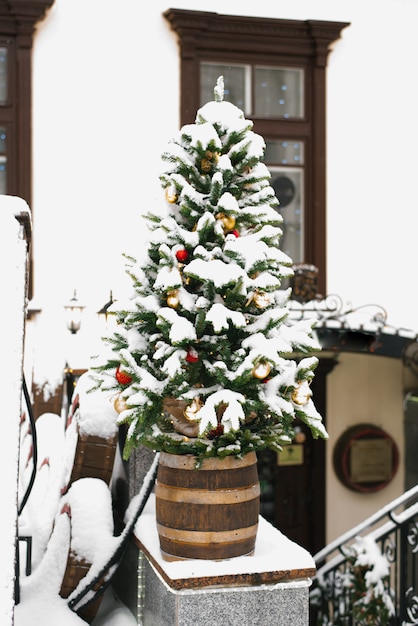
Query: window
<point>6,114</point>
<point>17,24</point>
<point>271,92</point>
<point>4,84</point>
<point>274,70</point>
<point>18,20</point>
<point>278,91</point>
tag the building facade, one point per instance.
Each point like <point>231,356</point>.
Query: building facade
<point>111,83</point>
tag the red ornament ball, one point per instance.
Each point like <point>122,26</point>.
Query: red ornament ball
<point>122,377</point>
<point>235,232</point>
<point>182,255</point>
<point>192,356</point>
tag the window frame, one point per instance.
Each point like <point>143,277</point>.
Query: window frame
<point>212,37</point>
<point>17,26</point>
<point>8,113</point>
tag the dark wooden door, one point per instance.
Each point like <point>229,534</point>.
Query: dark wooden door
<point>293,482</point>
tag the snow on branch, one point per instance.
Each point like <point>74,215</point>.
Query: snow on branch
<point>232,414</point>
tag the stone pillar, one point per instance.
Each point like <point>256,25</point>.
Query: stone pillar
<point>270,587</point>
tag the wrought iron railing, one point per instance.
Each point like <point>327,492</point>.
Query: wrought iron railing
<point>335,590</point>
<point>25,539</point>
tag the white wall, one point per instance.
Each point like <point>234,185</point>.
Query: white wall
<point>362,389</point>
<point>102,113</point>
<point>106,100</point>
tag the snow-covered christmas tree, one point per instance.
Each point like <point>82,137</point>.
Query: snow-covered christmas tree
<point>203,360</point>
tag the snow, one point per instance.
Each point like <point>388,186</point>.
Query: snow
<point>148,380</point>
<point>202,136</point>
<point>80,519</point>
<point>173,363</point>
<point>253,144</point>
<point>231,416</point>
<point>253,249</point>
<point>224,114</point>
<point>41,603</point>
<point>369,554</point>
<point>97,414</point>
<point>168,278</point>
<point>273,552</point>
<point>37,517</point>
<point>228,203</point>
<point>90,499</point>
<point>215,271</point>
<point>218,315</point>
<point>181,328</point>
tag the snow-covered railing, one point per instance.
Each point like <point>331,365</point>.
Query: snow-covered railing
<point>341,327</point>
<point>332,312</point>
<point>375,565</point>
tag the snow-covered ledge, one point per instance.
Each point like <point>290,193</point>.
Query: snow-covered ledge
<point>273,583</point>
<point>15,219</point>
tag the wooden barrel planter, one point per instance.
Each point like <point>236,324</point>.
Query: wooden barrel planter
<point>94,457</point>
<point>207,513</point>
<point>75,570</point>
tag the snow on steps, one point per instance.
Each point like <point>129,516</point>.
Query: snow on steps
<point>91,524</point>
<point>92,428</point>
<point>69,512</point>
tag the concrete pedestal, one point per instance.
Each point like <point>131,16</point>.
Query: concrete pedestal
<point>270,588</point>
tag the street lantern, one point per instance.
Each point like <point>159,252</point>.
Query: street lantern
<point>74,310</point>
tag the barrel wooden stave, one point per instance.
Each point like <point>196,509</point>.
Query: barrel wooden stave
<point>207,513</point>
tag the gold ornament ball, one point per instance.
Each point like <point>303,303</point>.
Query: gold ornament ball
<point>173,299</point>
<point>171,196</point>
<point>191,410</point>
<point>261,299</point>
<point>228,221</point>
<point>302,394</point>
<point>212,156</point>
<point>120,404</point>
<point>261,370</point>
<point>205,165</point>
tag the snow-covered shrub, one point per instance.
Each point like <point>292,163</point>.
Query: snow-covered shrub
<point>369,584</point>
<point>359,592</point>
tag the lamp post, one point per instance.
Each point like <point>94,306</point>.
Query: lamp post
<point>74,310</point>
<point>105,315</point>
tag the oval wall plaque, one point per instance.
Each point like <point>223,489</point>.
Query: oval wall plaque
<point>365,458</point>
